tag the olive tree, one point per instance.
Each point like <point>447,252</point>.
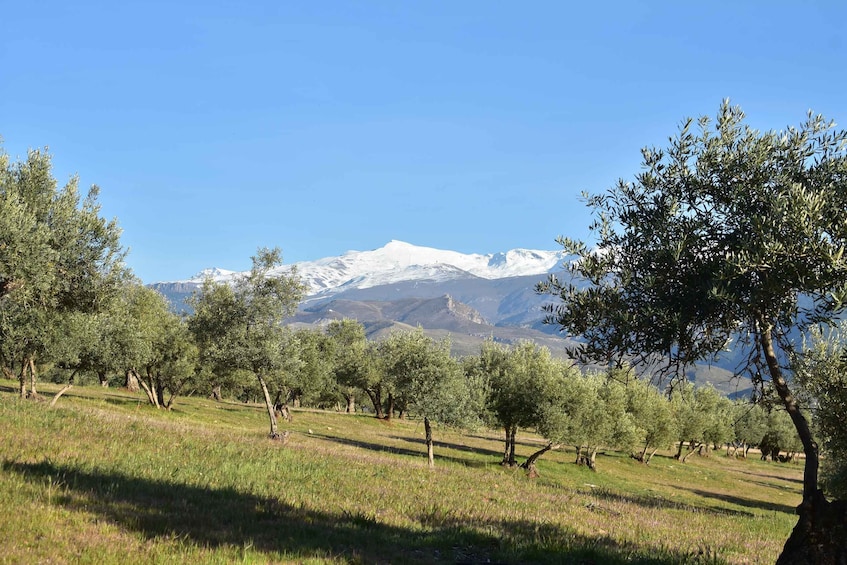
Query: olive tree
<point>589,412</point>
<point>429,382</point>
<point>352,364</point>
<point>517,379</point>
<point>729,236</point>
<point>58,256</point>
<point>239,326</point>
<point>652,414</point>
<point>750,424</point>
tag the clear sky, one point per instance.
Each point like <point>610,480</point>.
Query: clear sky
<point>214,127</point>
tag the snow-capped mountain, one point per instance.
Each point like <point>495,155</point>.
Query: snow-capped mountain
<point>399,262</point>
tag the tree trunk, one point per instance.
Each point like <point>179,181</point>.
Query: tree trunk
<point>592,460</point>
<point>650,457</point>
<point>389,411</point>
<point>281,407</point>
<point>512,433</point>
<point>679,450</point>
<point>131,381</point>
<point>216,393</point>
<point>33,377</point>
<point>274,433</point>
<point>641,457</point>
<point>820,535</point>
<point>351,403</point>
<point>509,452</point>
<point>22,379</point>
<point>160,394</point>
<point>529,464</point>
<point>104,381</point>
<point>151,394</point>
<point>65,389</point>
<point>429,451</point>
<point>376,400</point>
<point>689,452</point>
<point>810,447</point>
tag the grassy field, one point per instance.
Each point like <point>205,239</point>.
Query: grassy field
<point>104,478</point>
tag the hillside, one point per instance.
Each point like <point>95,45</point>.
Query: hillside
<point>124,483</point>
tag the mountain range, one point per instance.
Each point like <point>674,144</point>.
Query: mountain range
<point>470,297</point>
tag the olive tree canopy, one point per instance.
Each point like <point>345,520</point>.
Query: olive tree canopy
<point>729,236</point>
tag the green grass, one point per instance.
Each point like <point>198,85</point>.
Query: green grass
<point>103,478</point>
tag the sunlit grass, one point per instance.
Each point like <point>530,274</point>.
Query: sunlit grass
<point>103,478</point>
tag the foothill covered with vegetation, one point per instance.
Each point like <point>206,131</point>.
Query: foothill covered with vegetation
<point>134,433</point>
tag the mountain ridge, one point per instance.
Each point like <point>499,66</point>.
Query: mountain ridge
<point>468,298</point>
<point>398,262</point>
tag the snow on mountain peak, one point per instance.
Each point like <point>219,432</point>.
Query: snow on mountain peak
<point>400,261</point>
<point>213,273</point>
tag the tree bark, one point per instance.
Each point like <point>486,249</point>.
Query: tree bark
<point>281,407</point>
<point>274,433</point>
<point>131,381</point>
<point>376,400</point>
<point>689,452</point>
<point>160,393</point>
<point>512,433</point>
<point>529,464</point>
<point>22,379</point>
<point>429,448</point>
<point>151,394</point>
<point>64,389</point>
<point>810,447</point>
<point>820,535</point>
<point>389,411</point>
<point>351,403</point>
<point>33,377</point>
<point>650,457</point>
<point>641,457</point>
<point>216,393</point>
<point>104,381</point>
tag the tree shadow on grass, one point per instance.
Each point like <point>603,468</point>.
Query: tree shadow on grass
<point>768,476</point>
<point>454,446</point>
<point>224,517</point>
<point>661,502</point>
<point>741,501</point>
<point>382,448</point>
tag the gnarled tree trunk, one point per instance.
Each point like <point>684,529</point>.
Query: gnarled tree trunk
<point>351,403</point>
<point>529,464</point>
<point>376,399</point>
<point>131,381</point>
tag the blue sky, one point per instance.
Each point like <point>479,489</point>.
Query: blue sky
<point>214,128</point>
